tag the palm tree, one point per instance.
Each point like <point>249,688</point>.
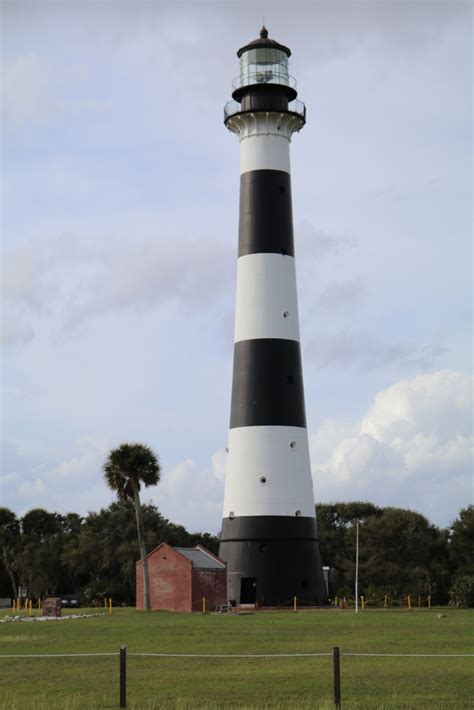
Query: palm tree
<point>126,469</point>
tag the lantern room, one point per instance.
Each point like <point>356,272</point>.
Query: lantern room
<point>263,70</point>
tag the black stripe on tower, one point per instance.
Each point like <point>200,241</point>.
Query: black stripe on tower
<point>280,553</point>
<point>267,385</point>
<point>265,223</point>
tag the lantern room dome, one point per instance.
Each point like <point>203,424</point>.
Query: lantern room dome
<point>264,42</point>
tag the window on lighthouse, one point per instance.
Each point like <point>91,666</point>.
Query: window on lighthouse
<point>264,66</point>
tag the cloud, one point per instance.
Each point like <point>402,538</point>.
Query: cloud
<point>54,481</point>
<point>32,490</point>
<point>413,448</point>
<point>365,351</point>
<point>27,94</point>
<point>188,494</point>
<point>72,280</point>
<point>194,497</point>
<point>315,242</point>
<point>86,461</point>
<point>341,295</point>
<point>14,333</point>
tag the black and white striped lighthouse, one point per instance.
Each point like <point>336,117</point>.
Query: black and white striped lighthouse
<point>269,534</point>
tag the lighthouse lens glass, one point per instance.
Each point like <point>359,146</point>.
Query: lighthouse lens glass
<point>264,66</point>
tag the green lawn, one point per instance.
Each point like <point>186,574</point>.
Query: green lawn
<point>185,683</point>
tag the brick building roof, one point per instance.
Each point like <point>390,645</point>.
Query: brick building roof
<point>200,558</point>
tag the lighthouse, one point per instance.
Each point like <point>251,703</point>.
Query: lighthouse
<point>269,534</point>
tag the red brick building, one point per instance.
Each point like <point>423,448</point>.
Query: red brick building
<point>181,576</point>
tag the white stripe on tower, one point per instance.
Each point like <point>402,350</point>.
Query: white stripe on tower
<point>266,300</point>
<point>267,472</point>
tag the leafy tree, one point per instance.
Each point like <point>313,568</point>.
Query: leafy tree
<point>38,524</point>
<point>9,539</point>
<point>400,553</point>
<point>335,521</point>
<point>461,544</point>
<point>126,469</point>
<point>39,558</point>
<point>397,554</point>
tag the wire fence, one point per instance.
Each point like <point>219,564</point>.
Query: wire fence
<point>335,653</point>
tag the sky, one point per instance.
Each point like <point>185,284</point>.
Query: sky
<point>120,189</point>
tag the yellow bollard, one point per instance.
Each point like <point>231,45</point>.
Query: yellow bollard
<point>429,601</point>
<point>336,601</point>
<point>30,607</point>
<point>295,602</point>
<point>110,605</point>
<point>409,601</point>
<point>204,605</point>
<point>362,603</point>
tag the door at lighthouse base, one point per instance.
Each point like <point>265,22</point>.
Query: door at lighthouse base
<point>248,590</point>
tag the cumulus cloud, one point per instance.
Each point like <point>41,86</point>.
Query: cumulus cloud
<point>188,494</point>
<point>413,447</point>
<point>58,482</point>
<point>194,497</point>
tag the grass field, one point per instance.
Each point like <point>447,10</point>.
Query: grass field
<point>187,683</point>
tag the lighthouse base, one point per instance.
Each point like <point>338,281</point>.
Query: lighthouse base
<point>271,560</point>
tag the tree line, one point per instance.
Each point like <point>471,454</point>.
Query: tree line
<point>94,555</point>
<point>400,551</point>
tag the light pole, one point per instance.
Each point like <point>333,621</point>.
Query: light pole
<point>357,570</point>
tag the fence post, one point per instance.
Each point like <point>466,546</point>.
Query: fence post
<point>123,676</point>
<point>337,677</point>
